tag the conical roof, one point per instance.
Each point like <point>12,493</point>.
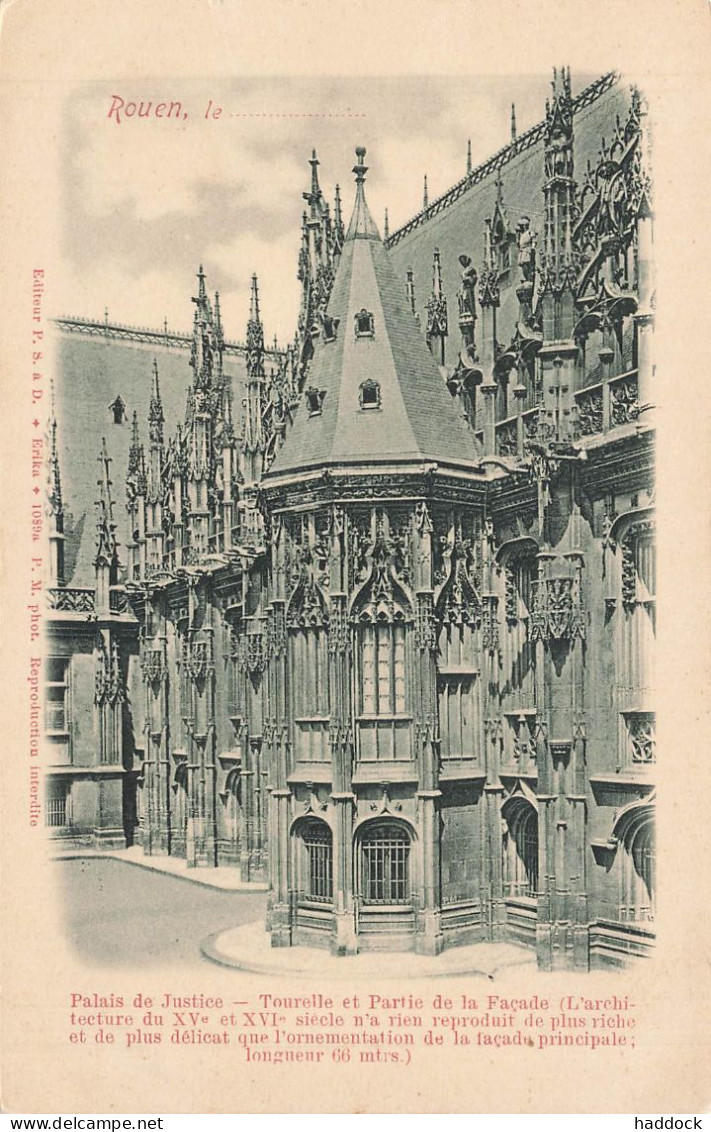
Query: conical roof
<point>374,392</point>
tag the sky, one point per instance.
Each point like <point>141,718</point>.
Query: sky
<point>145,201</point>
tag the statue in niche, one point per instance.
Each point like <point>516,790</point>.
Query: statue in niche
<point>526,243</point>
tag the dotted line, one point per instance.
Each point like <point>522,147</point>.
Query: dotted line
<point>277,115</point>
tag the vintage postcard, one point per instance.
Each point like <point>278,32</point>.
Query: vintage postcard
<point>353,750</point>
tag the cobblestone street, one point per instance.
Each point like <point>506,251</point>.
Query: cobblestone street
<point>116,913</point>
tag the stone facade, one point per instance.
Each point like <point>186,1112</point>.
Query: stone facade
<point>383,638</point>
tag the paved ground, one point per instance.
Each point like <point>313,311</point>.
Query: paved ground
<point>118,914</point>
<point>247,948</point>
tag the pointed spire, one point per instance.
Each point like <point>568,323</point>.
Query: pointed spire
<point>386,226</point>
<point>135,474</point>
<point>362,225</point>
<point>54,486</point>
<point>514,134</point>
<point>201,352</point>
<point>55,509</point>
<point>156,419</point>
<point>337,212</point>
<point>469,158</point>
<point>219,335</point>
<point>254,300</point>
<point>314,195</point>
<point>425,196</point>
<point>437,328</point>
<point>255,334</point>
<point>106,547</point>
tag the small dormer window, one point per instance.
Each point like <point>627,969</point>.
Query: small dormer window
<point>330,326</point>
<point>364,324</point>
<point>314,400</point>
<point>370,395</point>
<point>118,408</point>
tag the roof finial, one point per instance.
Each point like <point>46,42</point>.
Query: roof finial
<point>360,169</point>
<point>337,207</point>
<point>202,294</point>
<point>425,197</point>
<point>362,224</point>
<point>386,226</point>
<point>513,122</point>
<point>469,157</point>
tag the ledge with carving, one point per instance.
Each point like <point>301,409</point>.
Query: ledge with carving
<point>373,482</point>
<point>618,463</point>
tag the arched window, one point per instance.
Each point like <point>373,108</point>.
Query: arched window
<point>315,880</point>
<point>637,865</point>
<point>384,861</point>
<point>520,848</point>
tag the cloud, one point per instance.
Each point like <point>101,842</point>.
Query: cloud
<point>147,200</point>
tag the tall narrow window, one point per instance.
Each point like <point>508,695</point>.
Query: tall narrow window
<point>317,871</point>
<point>520,848</point>
<point>383,669</point>
<point>384,864</point>
<point>57,695</point>
<point>637,869</point>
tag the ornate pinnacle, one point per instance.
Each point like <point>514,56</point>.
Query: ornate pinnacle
<point>155,410</point>
<point>254,301</point>
<point>218,321</point>
<point>202,294</point>
<point>513,122</point>
<point>136,473</point>
<point>469,157</point>
<point>425,196</point>
<point>337,216</point>
<point>386,226</point>
<point>54,485</point>
<point>106,537</point>
<point>255,334</point>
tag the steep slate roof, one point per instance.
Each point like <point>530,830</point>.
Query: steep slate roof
<point>417,418</point>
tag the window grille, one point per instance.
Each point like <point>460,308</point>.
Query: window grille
<point>385,852</point>
<point>318,844</point>
<point>56,805</point>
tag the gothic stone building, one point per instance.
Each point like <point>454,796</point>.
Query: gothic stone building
<point>374,621</point>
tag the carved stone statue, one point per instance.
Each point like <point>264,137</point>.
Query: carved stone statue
<point>526,243</point>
